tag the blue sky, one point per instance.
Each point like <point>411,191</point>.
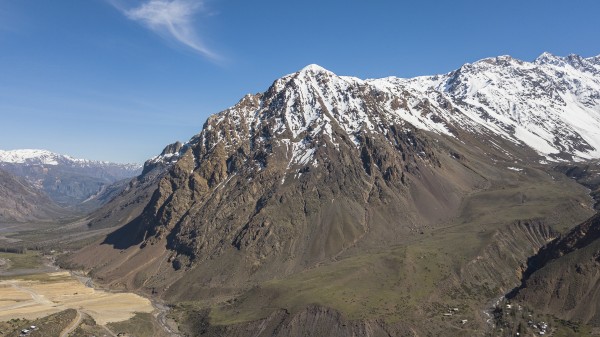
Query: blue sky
<point>119,79</point>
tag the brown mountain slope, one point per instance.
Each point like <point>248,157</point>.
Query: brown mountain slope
<point>22,202</point>
<point>390,257</point>
<point>241,189</point>
<point>313,320</point>
<point>564,277</point>
<point>314,194</point>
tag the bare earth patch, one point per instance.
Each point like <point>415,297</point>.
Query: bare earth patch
<point>45,294</point>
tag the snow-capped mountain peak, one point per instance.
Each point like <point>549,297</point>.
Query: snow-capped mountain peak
<point>551,105</point>
<point>42,157</point>
<point>588,65</point>
<point>314,68</point>
<point>548,58</point>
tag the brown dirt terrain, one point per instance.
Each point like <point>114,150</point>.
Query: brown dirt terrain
<point>37,296</point>
<point>563,279</point>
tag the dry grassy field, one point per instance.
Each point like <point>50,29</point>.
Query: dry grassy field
<point>39,295</point>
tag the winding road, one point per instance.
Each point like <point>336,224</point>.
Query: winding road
<point>74,324</point>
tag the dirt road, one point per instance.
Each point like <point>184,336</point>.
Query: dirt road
<point>74,324</point>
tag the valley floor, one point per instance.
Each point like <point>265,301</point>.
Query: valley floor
<point>30,294</point>
<point>39,295</point>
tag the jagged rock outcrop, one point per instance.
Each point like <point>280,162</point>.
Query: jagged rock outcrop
<point>295,172</point>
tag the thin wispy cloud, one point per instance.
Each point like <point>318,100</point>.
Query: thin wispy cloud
<point>172,19</point>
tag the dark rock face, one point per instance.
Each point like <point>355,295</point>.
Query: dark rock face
<point>169,155</point>
<point>578,238</point>
<point>273,192</point>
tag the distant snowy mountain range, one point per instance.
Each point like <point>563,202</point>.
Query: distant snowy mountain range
<point>66,180</point>
<point>44,157</point>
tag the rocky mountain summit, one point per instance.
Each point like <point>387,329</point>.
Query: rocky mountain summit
<point>313,149</point>
<point>314,122</point>
<point>551,105</point>
<point>333,190</point>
